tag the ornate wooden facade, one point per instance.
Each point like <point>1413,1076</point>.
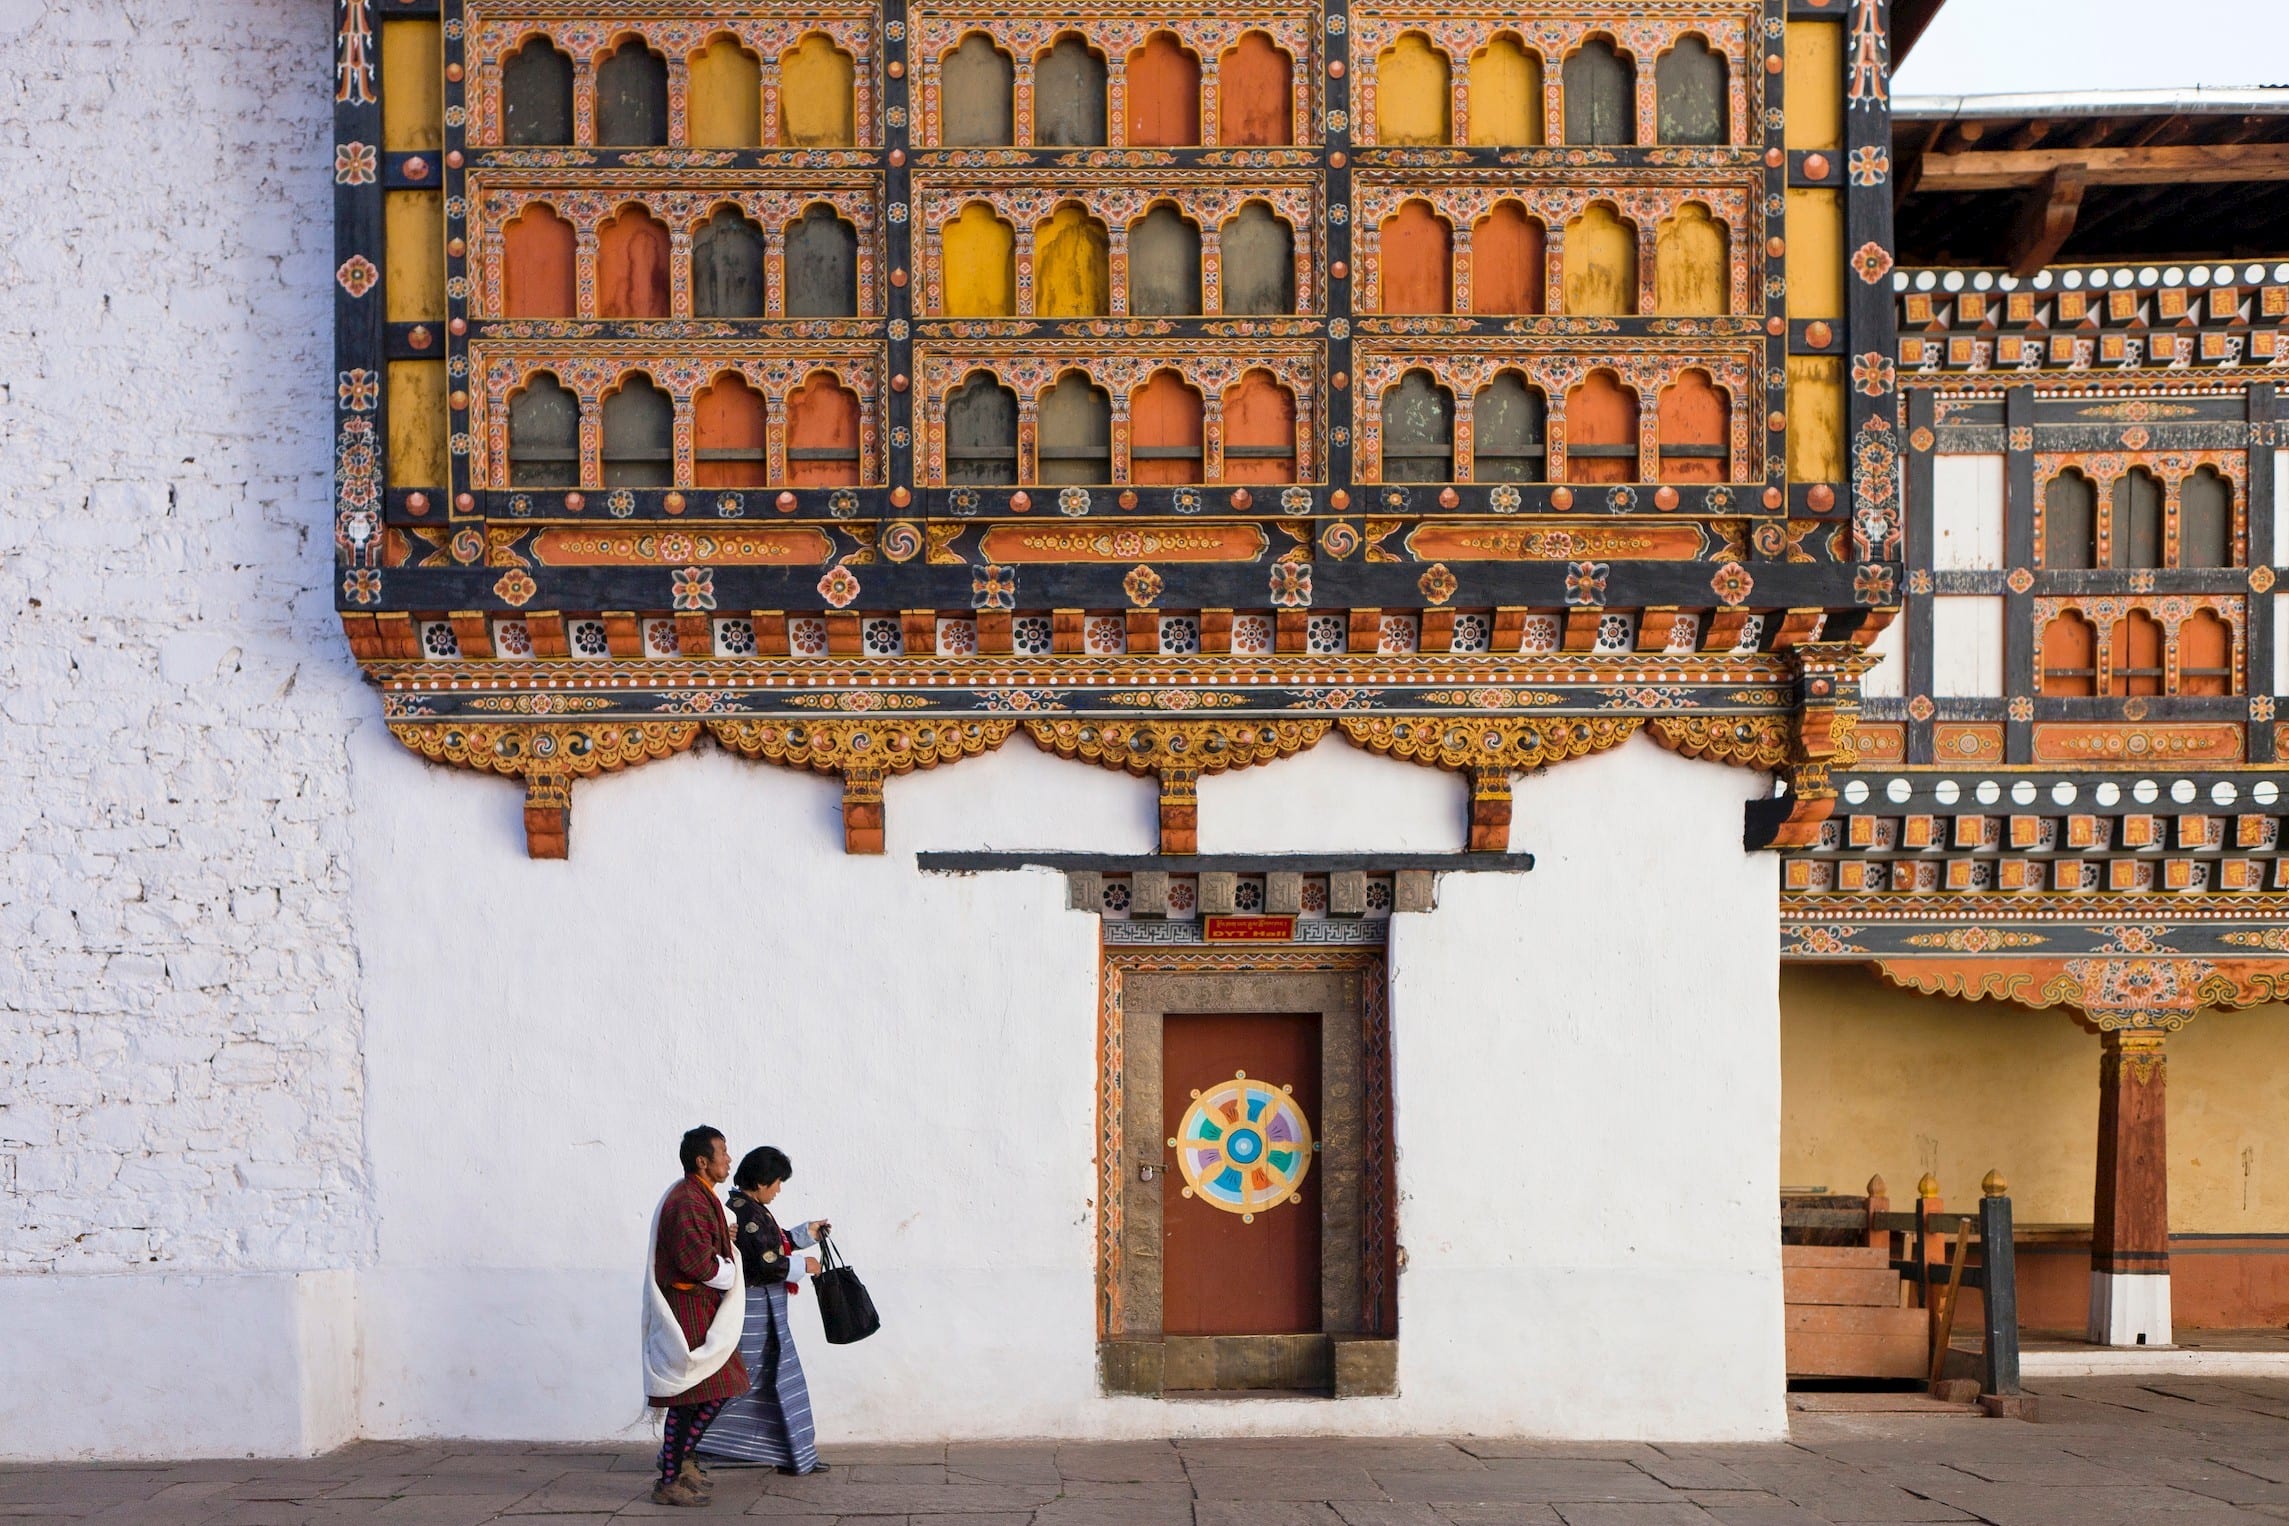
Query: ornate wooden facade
<point>904,368</point>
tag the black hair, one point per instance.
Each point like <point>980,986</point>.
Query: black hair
<point>698,1144</point>
<point>762,1166</point>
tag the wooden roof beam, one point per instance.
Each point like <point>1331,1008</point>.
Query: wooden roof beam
<point>2182,164</point>
<point>2046,221</point>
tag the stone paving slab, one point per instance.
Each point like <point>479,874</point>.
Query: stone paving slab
<point>2158,1451</point>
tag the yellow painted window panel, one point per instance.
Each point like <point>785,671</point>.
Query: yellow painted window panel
<point>1601,264</point>
<point>1815,418</point>
<point>726,97</point>
<point>981,265</point>
<point>1814,85</point>
<point>1815,254</point>
<point>1411,94</point>
<point>1505,95</point>
<point>417,420</point>
<point>413,233</point>
<point>413,86</point>
<point>1692,274</point>
<point>815,108</point>
<point>1072,273</point>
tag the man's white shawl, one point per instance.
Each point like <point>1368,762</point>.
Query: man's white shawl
<point>673,1365</point>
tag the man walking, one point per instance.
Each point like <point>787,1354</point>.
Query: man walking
<point>694,1312</point>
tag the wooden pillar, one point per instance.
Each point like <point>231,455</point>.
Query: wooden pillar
<point>2130,1237</point>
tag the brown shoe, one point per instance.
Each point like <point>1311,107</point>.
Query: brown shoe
<point>677,1492</point>
<point>696,1476</point>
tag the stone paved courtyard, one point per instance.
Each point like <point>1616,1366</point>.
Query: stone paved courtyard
<point>2107,1453</point>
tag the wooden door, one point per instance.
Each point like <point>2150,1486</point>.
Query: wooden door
<point>1238,1256</point>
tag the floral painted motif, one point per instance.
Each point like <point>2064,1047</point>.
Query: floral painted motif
<point>994,587</point>
<point>1873,373</point>
<point>1874,583</point>
<point>1291,585</point>
<point>839,587</point>
<point>1437,583</point>
<point>362,585</point>
<point>356,164</point>
<point>1869,166</point>
<point>1073,502</point>
<point>1585,582</point>
<point>1142,585</point>
<point>694,588</point>
<point>359,391</point>
<point>1732,584</point>
<point>1872,263</point>
<point>358,275</point>
<point>515,587</point>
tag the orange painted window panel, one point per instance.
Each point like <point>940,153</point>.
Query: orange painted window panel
<point>1509,262</point>
<point>540,266</point>
<point>822,434</point>
<point>632,267</point>
<point>1417,260</point>
<point>1255,95</point>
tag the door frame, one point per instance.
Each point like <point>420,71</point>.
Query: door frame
<point>1348,987</point>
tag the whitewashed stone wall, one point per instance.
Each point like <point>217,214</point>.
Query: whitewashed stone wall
<point>179,1032</point>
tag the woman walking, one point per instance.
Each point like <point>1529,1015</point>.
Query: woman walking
<point>771,1422</point>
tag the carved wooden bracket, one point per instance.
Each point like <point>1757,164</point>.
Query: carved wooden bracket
<point>1178,753</point>
<point>863,752</point>
<point>1488,750</point>
<point>547,756</point>
<point>1827,726</point>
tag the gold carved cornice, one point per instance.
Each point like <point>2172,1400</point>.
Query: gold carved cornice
<point>566,749</point>
<point>870,745</point>
<point>1746,741</point>
<point>1161,747</point>
<point>2110,993</point>
<point>1510,744</point>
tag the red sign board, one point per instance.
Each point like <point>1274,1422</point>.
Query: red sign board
<point>1248,929</point>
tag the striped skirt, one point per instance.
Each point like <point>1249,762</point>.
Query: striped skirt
<point>770,1424</point>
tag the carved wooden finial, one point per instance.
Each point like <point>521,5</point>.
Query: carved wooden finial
<point>1994,1184</point>
<point>1928,1187</point>
<point>1877,1188</point>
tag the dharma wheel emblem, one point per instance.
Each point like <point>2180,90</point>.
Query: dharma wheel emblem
<point>1243,1146</point>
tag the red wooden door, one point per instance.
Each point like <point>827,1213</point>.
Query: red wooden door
<point>1224,1272</point>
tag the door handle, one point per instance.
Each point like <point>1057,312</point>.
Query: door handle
<point>1147,1170</point>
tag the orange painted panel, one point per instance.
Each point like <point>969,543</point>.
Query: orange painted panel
<point>540,266</point>
<point>2138,645</point>
<point>1601,412</point>
<point>2204,642</point>
<point>729,416</point>
<point>2072,743</point>
<point>2070,658</point>
<point>1259,412</point>
<point>1165,415</point>
<point>822,415</point>
<point>1694,414</point>
<point>1417,261</point>
<point>1255,94</point>
<point>1164,94</point>
<point>632,267</point>
<point>1509,262</point>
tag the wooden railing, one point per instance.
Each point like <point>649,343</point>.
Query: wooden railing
<point>1939,1255</point>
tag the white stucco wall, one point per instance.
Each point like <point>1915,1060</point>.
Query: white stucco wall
<point>324,1110</point>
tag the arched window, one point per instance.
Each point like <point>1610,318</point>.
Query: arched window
<point>822,265</point>
<point>639,435</point>
<point>2137,521</point>
<point>1692,93</point>
<point>2070,523</point>
<point>728,424</point>
<point>1163,94</point>
<point>1069,96</point>
<point>1418,431</point>
<point>977,83</point>
<point>540,266</point>
<point>1601,95</point>
<point>632,266</point>
<point>1509,262</point>
<point>2205,520</point>
<point>981,432</point>
<point>2138,655</point>
<point>1259,430</point>
<point>1255,86</point>
<point>1412,105</point>
<point>1259,262</point>
<point>1601,263</point>
<point>726,96</point>
<point>1072,267</point>
<point>1601,430</point>
<point>544,435</point>
<point>727,267</point>
<point>2205,656</point>
<point>1696,424</point>
<point>980,264</point>
<point>1165,431</point>
<point>1164,265</point>
<point>1074,433</point>
<point>816,108</point>
<point>1509,425</point>
<point>536,96</point>
<point>2070,658</point>
<point>632,98</point>
<point>1505,94</point>
<point>1416,263</point>
<point>1692,264</point>
<point>822,434</point>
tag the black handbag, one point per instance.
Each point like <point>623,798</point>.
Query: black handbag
<point>845,1307</point>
